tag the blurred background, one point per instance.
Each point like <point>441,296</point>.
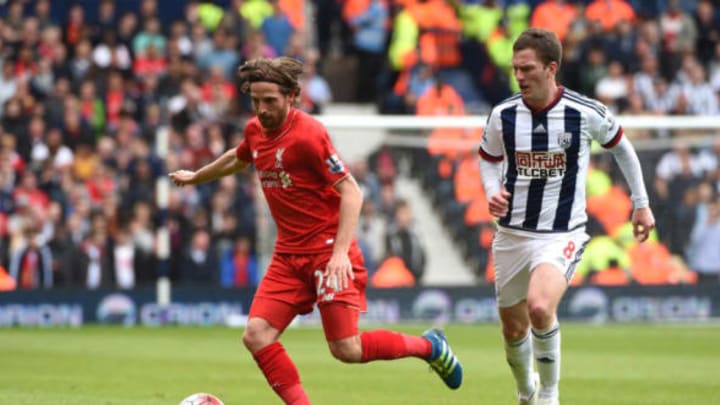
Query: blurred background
<point>99,99</point>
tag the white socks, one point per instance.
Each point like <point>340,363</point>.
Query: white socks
<point>546,348</point>
<point>519,357</point>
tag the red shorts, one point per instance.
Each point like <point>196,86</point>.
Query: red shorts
<point>290,287</point>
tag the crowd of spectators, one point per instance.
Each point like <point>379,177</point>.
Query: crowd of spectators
<point>639,57</point>
<point>92,92</point>
<point>644,58</point>
<point>686,185</point>
<point>82,100</point>
<point>87,102</point>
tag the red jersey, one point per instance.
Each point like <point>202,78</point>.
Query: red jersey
<point>297,166</point>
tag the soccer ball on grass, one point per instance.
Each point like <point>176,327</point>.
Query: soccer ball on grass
<point>201,399</point>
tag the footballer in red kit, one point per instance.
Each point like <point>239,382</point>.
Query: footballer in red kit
<point>315,203</point>
<point>298,166</point>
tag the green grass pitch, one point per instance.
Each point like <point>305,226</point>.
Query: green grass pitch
<point>619,364</point>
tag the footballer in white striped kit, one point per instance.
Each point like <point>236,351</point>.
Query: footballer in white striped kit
<point>534,162</point>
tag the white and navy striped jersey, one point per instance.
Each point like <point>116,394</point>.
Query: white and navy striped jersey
<point>547,154</point>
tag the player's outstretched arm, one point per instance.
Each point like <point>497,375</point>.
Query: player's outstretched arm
<point>226,164</point>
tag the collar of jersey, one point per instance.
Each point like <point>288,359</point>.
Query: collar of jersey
<point>548,107</point>
<point>283,128</point>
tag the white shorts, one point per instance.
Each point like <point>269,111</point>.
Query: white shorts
<point>517,253</point>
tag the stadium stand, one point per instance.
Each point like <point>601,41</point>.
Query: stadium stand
<point>87,89</point>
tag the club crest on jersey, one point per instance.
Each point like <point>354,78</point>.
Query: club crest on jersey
<point>565,139</point>
<point>335,164</point>
<point>278,158</point>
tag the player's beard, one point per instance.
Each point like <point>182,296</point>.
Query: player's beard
<point>273,120</point>
<point>270,122</point>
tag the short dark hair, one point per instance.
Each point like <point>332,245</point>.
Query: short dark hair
<point>283,71</point>
<point>545,43</point>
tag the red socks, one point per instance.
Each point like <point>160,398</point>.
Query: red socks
<point>281,374</point>
<point>283,377</point>
<point>386,345</point>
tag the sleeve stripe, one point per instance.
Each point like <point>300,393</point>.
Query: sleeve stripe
<point>341,179</point>
<point>615,139</point>
<point>489,157</point>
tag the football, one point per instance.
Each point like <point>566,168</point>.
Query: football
<point>201,399</point>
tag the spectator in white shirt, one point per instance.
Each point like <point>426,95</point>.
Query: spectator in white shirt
<point>612,90</point>
<point>700,96</point>
<point>8,84</point>
<point>665,100</point>
<point>644,80</point>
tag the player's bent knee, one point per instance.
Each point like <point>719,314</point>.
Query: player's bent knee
<point>258,335</point>
<point>347,350</point>
<point>514,331</point>
<point>253,340</point>
<point>515,322</point>
<point>541,314</point>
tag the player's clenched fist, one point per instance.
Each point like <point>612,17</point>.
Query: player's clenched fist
<point>498,204</point>
<point>182,177</point>
<point>643,222</point>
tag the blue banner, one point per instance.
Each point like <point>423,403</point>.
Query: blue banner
<point>216,306</point>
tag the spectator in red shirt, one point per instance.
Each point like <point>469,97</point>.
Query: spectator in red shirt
<point>75,25</point>
<point>150,62</point>
<point>29,192</point>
